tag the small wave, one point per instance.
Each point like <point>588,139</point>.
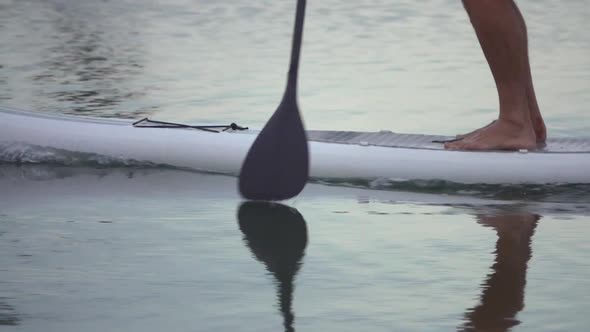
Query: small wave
<point>27,154</point>
<point>23,154</point>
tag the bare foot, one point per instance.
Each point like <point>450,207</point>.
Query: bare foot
<point>500,135</point>
<point>474,131</point>
<point>536,120</point>
<point>535,117</point>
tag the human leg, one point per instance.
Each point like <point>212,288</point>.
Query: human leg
<point>501,31</point>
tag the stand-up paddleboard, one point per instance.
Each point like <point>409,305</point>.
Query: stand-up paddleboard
<point>333,154</point>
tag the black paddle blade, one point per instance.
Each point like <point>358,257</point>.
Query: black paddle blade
<point>277,165</point>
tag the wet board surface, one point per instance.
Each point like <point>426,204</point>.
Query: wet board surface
<point>420,141</point>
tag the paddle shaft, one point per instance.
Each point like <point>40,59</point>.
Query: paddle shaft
<point>296,50</point>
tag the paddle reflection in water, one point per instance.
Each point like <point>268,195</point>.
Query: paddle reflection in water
<point>502,295</point>
<point>277,236</point>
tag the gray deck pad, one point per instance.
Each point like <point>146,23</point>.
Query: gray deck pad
<point>418,141</point>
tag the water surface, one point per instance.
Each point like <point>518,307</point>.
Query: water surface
<point>366,65</point>
<point>97,246</point>
<point>138,249</point>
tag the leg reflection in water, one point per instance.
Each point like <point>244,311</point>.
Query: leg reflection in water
<point>277,236</point>
<point>503,291</point>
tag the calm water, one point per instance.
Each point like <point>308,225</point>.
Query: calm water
<point>146,250</point>
<point>131,249</point>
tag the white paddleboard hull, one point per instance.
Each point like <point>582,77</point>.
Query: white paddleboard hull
<point>224,152</point>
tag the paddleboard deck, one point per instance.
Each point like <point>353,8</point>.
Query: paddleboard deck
<point>385,138</point>
<point>432,142</point>
<point>334,154</point>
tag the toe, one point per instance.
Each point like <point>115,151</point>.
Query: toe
<point>454,145</point>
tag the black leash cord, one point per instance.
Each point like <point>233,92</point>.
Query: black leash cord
<point>148,123</point>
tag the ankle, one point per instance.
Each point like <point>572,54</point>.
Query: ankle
<point>517,121</point>
<point>518,127</point>
<point>515,110</point>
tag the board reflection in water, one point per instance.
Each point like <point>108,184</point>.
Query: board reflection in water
<point>277,236</point>
<point>502,295</point>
